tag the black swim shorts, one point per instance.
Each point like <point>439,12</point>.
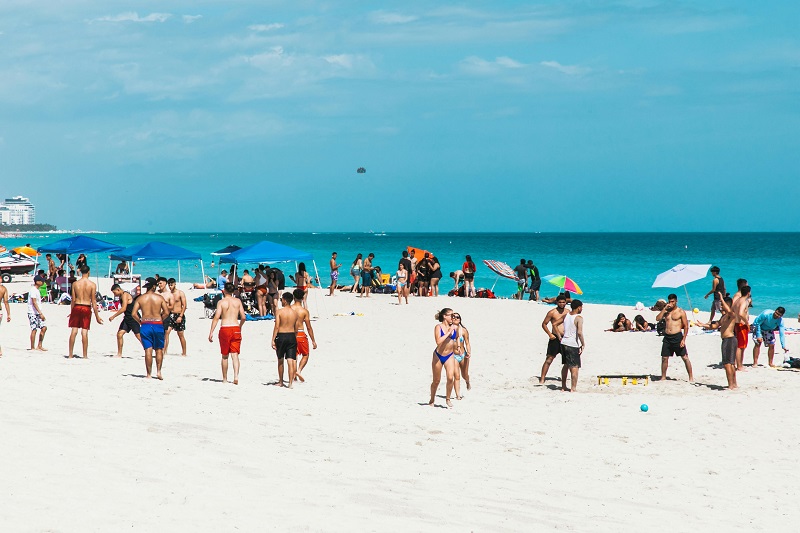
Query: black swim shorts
<point>570,356</point>
<point>729,351</point>
<point>286,346</point>
<point>129,324</point>
<point>553,347</point>
<point>672,345</point>
<point>172,322</point>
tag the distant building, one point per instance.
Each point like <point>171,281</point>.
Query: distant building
<point>17,210</point>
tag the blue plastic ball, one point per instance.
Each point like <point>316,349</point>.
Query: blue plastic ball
<point>644,407</point>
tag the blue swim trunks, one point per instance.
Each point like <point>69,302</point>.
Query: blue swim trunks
<point>152,335</point>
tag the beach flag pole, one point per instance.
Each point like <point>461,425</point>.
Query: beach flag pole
<point>203,272</point>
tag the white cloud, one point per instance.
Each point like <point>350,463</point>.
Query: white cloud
<point>570,70</point>
<point>132,16</point>
<point>477,65</point>
<point>188,19</point>
<point>382,17</point>
<point>265,27</point>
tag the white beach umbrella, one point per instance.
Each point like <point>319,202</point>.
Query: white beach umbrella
<point>680,275</point>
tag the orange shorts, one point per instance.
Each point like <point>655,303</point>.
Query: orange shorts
<point>302,343</point>
<point>230,340</point>
<point>80,316</point>
<point>741,335</point>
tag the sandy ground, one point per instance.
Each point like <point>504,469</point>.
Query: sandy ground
<point>89,445</point>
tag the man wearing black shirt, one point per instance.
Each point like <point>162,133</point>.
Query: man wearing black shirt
<point>521,272</point>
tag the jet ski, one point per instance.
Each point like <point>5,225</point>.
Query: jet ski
<point>13,264</point>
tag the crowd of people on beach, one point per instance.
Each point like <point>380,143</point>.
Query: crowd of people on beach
<point>734,327</point>
<point>161,309</point>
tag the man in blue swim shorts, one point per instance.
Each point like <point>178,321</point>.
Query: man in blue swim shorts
<point>154,310</point>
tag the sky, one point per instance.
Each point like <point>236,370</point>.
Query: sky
<point>623,115</point>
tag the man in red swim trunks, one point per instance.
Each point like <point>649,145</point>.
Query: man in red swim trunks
<point>84,293</point>
<point>741,310</point>
<point>303,318</point>
<point>231,312</point>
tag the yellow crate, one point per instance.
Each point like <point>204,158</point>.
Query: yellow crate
<point>634,379</point>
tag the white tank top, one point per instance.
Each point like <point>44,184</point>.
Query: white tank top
<point>570,337</point>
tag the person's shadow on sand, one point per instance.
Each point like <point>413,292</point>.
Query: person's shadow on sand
<point>212,380</point>
<point>141,376</point>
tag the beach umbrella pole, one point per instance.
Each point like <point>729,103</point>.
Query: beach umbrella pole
<point>687,297</point>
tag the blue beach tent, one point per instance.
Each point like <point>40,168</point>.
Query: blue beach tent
<point>266,252</point>
<point>79,244</point>
<point>157,251</point>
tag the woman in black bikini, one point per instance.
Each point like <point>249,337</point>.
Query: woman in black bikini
<point>445,335</point>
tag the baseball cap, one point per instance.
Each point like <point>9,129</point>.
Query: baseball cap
<point>150,282</point>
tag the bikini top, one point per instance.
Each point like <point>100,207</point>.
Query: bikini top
<point>441,333</point>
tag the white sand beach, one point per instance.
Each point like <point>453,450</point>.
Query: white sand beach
<point>89,445</point>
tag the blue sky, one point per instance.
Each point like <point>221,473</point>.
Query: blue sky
<point>481,116</point>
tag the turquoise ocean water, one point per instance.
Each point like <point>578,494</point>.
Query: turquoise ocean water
<point>611,268</point>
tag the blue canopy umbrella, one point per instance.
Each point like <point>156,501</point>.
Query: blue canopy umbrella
<point>79,244</point>
<point>266,252</point>
<point>158,251</point>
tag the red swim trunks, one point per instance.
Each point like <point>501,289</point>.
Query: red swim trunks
<point>80,316</point>
<point>302,343</point>
<point>230,340</point>
<point>741,331</point>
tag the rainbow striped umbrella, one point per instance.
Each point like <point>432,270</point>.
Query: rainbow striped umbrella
<point>563,282</point>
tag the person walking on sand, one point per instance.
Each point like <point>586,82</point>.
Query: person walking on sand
<point>177,316</point>
<point>231,313</point>
<point>355,271</point>
<point>469,277</point>
<point>154,311</point>
<point>334,273</point>
<point>554,328</point>
<point>718,290</point>
<point>764,327</point>
<point>727,331</point>
<point>284,338</point>
<point>741,314</point>
<point>128,324</point>
<point>462,353</point>
<point>402,283</point>
<point>572,346</point>
<point>4,302</point>
<point>84,301</point>
<point>675,333</point>
<point>366,275</point>
<point>303,319</point>
<point>445,335</point>
<point>36,317</point>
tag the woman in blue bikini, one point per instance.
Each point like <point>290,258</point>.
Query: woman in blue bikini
<point>445,335</point>
<point>461,354</point>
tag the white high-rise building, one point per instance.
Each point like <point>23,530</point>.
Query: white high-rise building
<point>17,210</point>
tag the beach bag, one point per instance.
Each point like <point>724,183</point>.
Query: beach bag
<point>661,327</point>
<point>794,362</point>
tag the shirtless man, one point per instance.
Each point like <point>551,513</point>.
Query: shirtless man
<point>674,336</point>
<point>727,326</point>
<point>303,319</point>
<point>555,319</point>
<point>84,301</point>
<point>51,267</point>
<point>284,338</point>
<point>4,302</point>
<point>334,279</point>
<point>177,316</point>
<point>231,312</point>
<point>128,323</point>
<point>366,276</point>
<point>741,313</point>
<point>154,311</point>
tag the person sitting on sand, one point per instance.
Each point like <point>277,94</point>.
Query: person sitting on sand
<point>621,324</point>
<point>640,324</point>
<point>445,335</point>
<point>210,284</point>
